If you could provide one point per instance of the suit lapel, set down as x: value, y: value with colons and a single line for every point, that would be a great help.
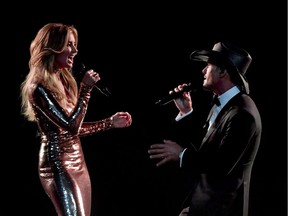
x: 219, y: 119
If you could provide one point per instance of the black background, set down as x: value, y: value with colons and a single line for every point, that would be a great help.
x: 142, y: 51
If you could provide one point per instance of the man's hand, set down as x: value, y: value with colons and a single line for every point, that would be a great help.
x: 165, y: 152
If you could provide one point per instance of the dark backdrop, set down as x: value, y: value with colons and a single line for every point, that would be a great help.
x: 141, y: 52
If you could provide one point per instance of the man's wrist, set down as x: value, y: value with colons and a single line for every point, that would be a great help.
x: 181, y: 116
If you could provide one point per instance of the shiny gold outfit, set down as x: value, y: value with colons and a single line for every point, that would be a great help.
x: 62, y: 168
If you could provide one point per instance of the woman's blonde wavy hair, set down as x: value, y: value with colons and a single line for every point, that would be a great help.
x: 50, y: 40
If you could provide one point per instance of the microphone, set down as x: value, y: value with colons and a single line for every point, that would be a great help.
x: 175, y: 95
x: 100, y: 86
x: 103, y: 89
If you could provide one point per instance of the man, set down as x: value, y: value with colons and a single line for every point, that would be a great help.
x: 221, y: 163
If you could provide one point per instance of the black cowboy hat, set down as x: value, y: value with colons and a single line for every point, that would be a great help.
x: 226, y: 54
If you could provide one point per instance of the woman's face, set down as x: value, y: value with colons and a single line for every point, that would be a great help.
x: 65, y: 58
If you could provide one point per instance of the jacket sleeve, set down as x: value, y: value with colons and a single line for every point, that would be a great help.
x: 44, y: 102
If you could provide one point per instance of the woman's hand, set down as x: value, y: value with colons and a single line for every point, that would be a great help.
x: 121, y: 120
x: 90, y: 78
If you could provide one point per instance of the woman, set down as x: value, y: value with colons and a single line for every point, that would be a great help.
x: 51, y: 98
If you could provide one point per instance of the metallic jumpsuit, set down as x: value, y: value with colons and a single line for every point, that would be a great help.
x: 62, y: 168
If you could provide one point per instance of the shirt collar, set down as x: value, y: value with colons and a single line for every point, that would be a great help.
x: 226, y: 96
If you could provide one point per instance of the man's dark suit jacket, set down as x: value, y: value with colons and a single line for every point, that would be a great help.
x: 221, y: 163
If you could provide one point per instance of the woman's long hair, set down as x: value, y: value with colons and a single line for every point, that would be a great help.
x: 50, y: 40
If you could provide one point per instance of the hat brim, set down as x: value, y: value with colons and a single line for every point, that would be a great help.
x: 200, y: 55
x: 205, y: 55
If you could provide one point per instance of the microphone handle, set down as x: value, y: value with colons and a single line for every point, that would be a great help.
x: 103, y: 89
x: 174, y: 95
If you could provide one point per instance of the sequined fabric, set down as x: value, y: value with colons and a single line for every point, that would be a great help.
x: 62, y: 169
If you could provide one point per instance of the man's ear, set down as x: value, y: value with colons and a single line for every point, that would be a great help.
x: 223, y: 72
